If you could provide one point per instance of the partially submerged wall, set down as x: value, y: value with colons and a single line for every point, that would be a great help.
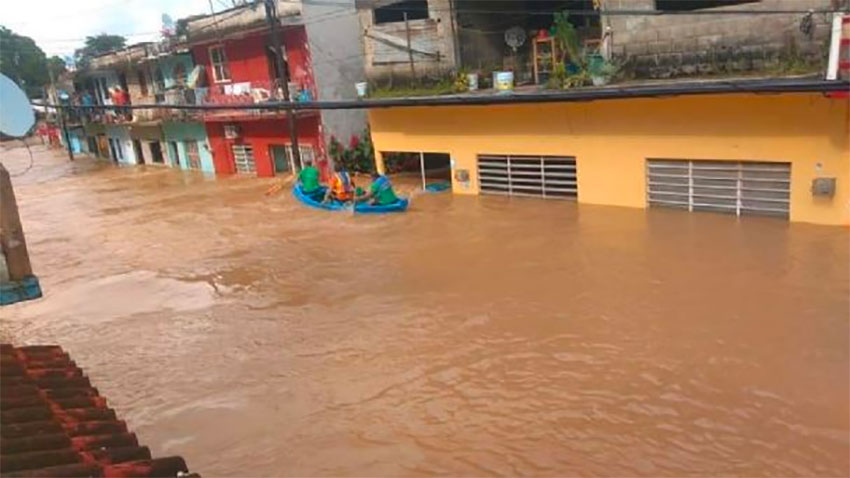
x: 668, y: 45
x: 612, y: 140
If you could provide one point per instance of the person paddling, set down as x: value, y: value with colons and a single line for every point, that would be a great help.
x: 380, y: 192
x: 308, y: 178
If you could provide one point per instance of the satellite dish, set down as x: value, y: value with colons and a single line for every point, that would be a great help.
x: 16, y: 114
x: 515, y: 37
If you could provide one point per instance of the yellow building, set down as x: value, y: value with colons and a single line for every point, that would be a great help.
x: 741, y: 149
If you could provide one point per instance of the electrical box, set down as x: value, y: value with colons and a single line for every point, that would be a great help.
x: 462, y: 175
x: 823, y: 187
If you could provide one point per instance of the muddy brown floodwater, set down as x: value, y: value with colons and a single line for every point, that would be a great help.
x: 470, y: 336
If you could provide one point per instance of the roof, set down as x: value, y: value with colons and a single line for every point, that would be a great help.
x: 240, y: 20
x: 54, y: 423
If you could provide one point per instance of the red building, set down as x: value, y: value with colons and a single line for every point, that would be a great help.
x: 235, y: 61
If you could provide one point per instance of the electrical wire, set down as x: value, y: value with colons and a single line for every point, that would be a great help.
x: 29, y: 166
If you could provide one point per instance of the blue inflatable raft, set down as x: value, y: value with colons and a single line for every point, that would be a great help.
x: 314, y: 199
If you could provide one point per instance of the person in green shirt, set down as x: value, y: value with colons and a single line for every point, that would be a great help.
x: 309, y: 178
x: 380, y: 192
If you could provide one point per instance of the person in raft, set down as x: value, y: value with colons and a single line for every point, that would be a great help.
x: 309, y: 177
x: 380, y: 192
x: 342, y: 187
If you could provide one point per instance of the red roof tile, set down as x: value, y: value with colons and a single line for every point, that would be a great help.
x: 54, y: 423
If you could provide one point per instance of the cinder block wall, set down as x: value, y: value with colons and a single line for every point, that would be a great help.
x: 670, y: 45
x: 436, y: 34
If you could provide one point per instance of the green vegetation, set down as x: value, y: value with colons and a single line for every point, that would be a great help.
x: 23, y: 61
x: 443, y: 86
x: 97, y: 45
x: 358, y: 157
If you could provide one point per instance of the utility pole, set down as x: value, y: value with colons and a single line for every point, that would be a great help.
x: 60, y: 112
x: 409, y: 48
x: 274, y: 25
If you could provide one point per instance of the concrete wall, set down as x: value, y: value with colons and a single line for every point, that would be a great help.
x: 611, y: 140
x: 185, y: 132
x: 336, y: 49
x: 677, y: 45
x: 433, y: 34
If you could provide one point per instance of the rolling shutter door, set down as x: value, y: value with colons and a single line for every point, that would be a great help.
x: 724, y: 186
x: 551, y: 177
x: 243, y: 156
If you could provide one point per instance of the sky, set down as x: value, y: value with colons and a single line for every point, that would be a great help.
x: 60, y: 26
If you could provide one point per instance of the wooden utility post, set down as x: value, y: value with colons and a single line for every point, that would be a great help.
x: 60, y: 113
x: 14, y: 245
x: 409, y: 48
x: 274, y: 25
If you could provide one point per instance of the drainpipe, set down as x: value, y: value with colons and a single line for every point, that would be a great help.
x: 455, y: 39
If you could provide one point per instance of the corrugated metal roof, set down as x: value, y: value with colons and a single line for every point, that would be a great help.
x: 54, y: 423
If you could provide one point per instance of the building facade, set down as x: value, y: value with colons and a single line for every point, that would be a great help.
x: 740, y: 153
x: 237, y: 64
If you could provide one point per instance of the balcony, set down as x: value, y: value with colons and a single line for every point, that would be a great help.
x: 247, y: 93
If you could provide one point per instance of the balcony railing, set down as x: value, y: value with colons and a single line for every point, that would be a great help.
x: 251, y: 92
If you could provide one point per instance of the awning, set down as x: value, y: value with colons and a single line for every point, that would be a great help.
x: 93, y: 129
x: 152, y: 133
x: 371, y: 4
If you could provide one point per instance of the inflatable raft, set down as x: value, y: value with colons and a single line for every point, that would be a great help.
x: 314, y: 199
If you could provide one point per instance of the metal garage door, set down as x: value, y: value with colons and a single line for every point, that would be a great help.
x: 552, y: 177
x: 723, y: 186
x: 243, y: 155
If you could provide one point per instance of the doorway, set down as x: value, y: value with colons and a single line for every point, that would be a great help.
x: 156, y: 152
x: 174, y: 153
x: 430, y: 171
x: 137, y: 149
x: 112, y: 151
x: 193, y: 154
x: 92, y: 146
x: 280, y: 157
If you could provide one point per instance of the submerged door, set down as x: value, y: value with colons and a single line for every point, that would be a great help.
x: 193, y: 154
x: 156, y: 152
x: 174, y: 153
x: 281, y: 159
x: 137, y: 148
x: 112, y: 151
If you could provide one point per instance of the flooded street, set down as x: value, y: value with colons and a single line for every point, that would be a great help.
x: 470, y: 336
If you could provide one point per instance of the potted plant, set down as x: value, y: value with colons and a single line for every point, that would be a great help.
x: 602, y: 72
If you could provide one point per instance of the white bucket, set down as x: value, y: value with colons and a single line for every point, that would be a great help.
x: 362, y: 89
x: 503, y: 80
x: 472, y: 81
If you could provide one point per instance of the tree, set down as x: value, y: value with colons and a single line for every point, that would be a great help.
x: 96, y: 45
x: 23, y: 61
x: 56, y: 65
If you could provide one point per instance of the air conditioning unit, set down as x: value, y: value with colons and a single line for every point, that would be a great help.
x: 231, y: 131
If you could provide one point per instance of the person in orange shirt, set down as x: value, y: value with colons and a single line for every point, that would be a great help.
x: 342, y: 186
